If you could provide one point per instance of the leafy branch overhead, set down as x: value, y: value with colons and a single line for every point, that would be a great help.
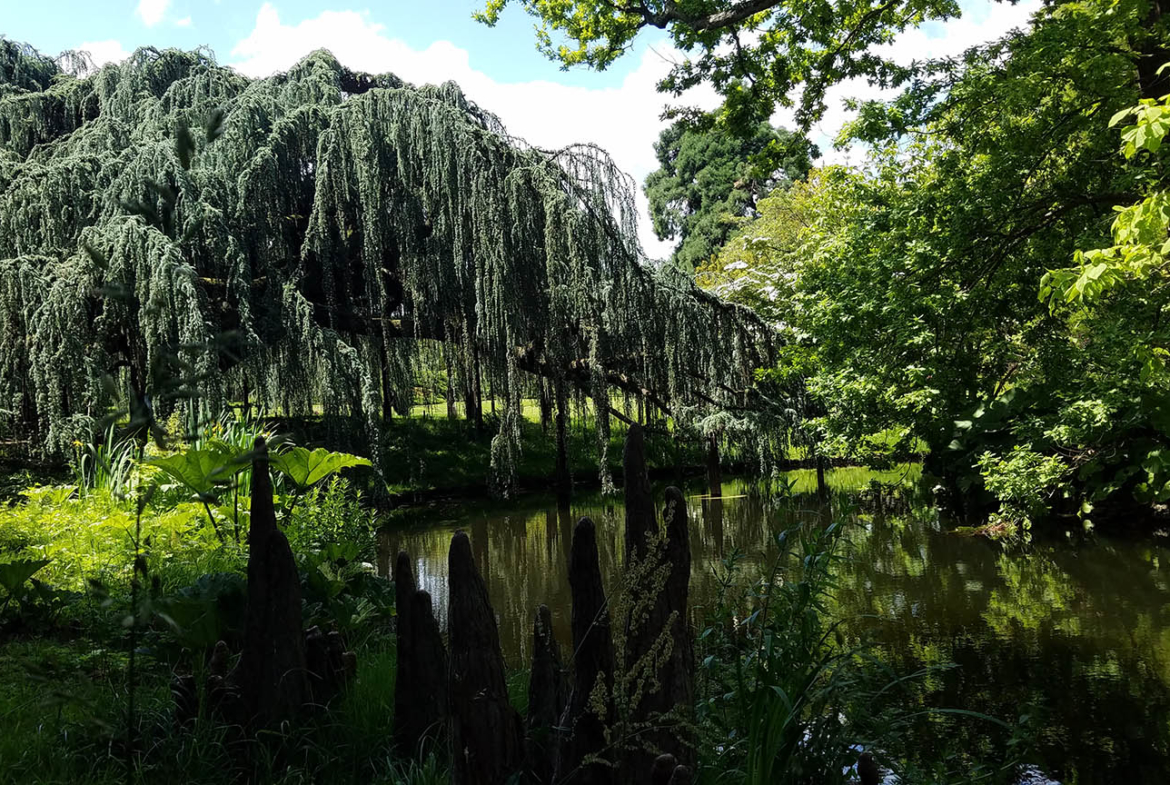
x: 756, y: 53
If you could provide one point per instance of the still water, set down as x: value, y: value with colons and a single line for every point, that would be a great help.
x: 1072, y: 632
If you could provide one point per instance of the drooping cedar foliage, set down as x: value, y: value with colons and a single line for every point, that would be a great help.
x: 338, y: 220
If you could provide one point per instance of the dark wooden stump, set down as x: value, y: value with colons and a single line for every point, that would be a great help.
x: 329, y: 666
x: 546, y: 700
x: 185, y: 694
x: 867, y: 769
x: 592, y: 667
x: 420, y: 693
x: 664, y: 766
x: 405, y: 731
x: 659, y: 649
x: 487, y: 739
x: 677, y: 693
x: 270, y: 675
x: 641, y: 521
x: 428, y: 670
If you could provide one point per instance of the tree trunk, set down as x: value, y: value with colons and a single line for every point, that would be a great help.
x: 387, y: 387
x: 477, y: 396
x: 451, y: 414
x: 546, y: 404
x: 822, y: 486
x: 714, y: 475
x: 564, y: 481
x: 1152, y: 55
x: 641, y: 521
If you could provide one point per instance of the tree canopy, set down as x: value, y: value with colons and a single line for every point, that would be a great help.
x: 916, y: 291
x: 708, y: 180
x: 328, y: 227
x: 755, y: 53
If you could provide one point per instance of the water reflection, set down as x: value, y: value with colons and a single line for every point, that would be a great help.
x: 1074, y: 633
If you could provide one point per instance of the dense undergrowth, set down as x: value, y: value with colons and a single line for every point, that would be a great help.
x: 783, y: 695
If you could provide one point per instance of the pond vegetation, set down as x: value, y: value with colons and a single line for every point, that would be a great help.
x: 266, y: 338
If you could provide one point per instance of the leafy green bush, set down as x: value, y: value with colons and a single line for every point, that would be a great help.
x: 332, y: 514
x: 89, y: 539
x: 1023, y: 481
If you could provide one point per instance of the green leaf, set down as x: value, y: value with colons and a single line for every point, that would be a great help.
x: 201, y: 470
x: 306, y: 468
x: 14, y: 573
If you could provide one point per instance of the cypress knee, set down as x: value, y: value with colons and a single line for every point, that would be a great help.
x: 487, y: 740
x: 678, y: 677
x: 664, y: 766
x: 428, y: 673
x: 271, y: 671
x: 640, y: 518
x: 405, y: 730
x: 546, y: 699
x: 583, y: 723
x: 659, y: 650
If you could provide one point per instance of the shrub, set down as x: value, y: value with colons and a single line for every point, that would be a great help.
x: 1023, y: 482
x: 332, y: 514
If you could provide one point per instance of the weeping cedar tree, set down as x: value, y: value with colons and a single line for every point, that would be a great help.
x: 708, y: 178
x: 340, y: 224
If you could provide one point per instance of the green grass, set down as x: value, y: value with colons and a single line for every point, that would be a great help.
x: 62, y: 707
x: 426, y: 451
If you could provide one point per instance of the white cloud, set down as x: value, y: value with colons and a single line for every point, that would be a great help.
x: 184, y: 22
x: 152, y: 11
x: 102, y: 52
x: 623, y: 120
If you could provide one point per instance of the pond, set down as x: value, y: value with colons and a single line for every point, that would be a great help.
x: 1073, y: 632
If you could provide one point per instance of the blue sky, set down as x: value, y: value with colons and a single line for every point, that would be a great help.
x: 506, y: 52
x: 499, y: 68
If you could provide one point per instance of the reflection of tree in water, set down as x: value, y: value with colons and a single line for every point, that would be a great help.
x: 1075, y: 633
x: 1079, y: 632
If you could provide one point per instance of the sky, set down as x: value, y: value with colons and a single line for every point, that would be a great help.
x: 498, y: 68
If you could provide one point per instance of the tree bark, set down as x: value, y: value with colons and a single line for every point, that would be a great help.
x: 592, y: 665
x: 564, y: 481
x: 546, y: 700
x: 487, y: 740
x: 271, y: 671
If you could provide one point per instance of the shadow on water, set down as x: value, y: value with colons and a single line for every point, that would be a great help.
x: 1074, y: 634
